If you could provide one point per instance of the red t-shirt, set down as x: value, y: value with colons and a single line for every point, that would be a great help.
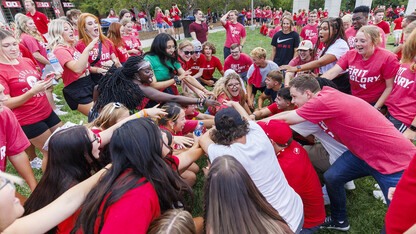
x: 176, y: 15
x: 107, y: 50
x: 33, y: 46
x: 367, y: 78
x: 159, y: 18
x: 301, y: 176
x: 384, y: 25
x: 274, y: 108
x: 13, y: 140
x: 257, y: 13
x: 296, y: 61
x: 402, y: 101
x: 234, y: 33
x: 133, y: 212
x: 310, y: 33
x: 66, y: 54
x: 190, y: 126
x: 400, y: 215
x: 325, y: 14
x: 122, y: 54
x: 191, y: 117
x: 17, y: 80
x: 24, y: 52
x: 248, y: 15
x: 167, y: 21
x: 221, y: 99
x: 132, y: 43
x: 398, y: 23
x: 351, y: 32
x: 367, y: 133
x: 141, y: 14
x: 209, y: 67
x: 41, y: 21
x: 240, y: 65
x: 195, y: 65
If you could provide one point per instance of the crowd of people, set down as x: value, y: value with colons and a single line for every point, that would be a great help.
x: 331, y: 101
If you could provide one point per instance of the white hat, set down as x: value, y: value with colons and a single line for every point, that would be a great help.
x: 197, y: 45
x: 305, y: 45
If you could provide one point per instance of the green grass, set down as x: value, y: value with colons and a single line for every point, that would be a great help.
x: 365, y: 213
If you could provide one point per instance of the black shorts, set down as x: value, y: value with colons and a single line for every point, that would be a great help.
x: 257, y: 19
x: 263, y: 20
x: 38, y: 128
x: 79, y: 92
x: 255, y: 89
x: 177, y: 24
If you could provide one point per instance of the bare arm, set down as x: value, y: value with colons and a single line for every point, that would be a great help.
x: 250, y: 95
x: 333, y: 72
x: 385, y: 94
x: 40, y: 58
x: 273, y: 52
x: 159, y: 85
x: 40, y: 86
x: 80, y: 65
x: 238, y: 108
x: 224, y: 19
x: 324, y: 60
x: 261, y: 100
x: 409, y: 134
x: 262, y: 113
x: 193, y: 35
x: 115, y: 60
x: 243, y: 42
x: 21, y: 163
x: 288, y: 77
x: 398, y: 49
x: 296, y: 53
x: 290, y: 117
x: 188, y: 157
x: 205, y: 140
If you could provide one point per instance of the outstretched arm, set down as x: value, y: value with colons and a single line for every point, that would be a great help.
x: 290, y: 117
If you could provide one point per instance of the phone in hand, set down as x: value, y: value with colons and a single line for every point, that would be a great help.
x: 49, y: 76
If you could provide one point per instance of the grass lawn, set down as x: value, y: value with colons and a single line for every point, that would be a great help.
x: 365, y: 213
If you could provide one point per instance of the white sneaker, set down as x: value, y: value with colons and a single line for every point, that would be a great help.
x: 379, y: 196
x: 377, y: 186
x: 36, y: 163
x: 349, y: 185
x: 59, y: 106
x: 59, y: 112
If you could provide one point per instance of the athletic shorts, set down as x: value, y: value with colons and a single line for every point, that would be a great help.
x: 254, y: 90
x: 38, y: 128
x: 263, y: 20
x: 79, y: 92
x: 159, y: 25
x: 142, y: 21
x: 177, y: 24
x: 397, y: 33
x: 257, y: 19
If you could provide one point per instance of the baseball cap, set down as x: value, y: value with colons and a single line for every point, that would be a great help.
x: 223, y: 115
x: 305, y: 45
x: 197, y: 45
x: 277, y: 130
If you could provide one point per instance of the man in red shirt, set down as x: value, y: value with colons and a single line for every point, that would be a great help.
x: 397, y: 29
x: 375, y: 149
x: 238, y: 61
x: 41, y: 21
x: 310, y: 31
x: 236, y: 33
x: 379, y: 22
x: 175, y: 14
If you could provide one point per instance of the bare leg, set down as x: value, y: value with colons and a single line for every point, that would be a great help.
x: 189, y: 177
x: 31, y: 152
x: 85, y: 108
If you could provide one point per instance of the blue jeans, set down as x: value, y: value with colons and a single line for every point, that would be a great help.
x: 349, y: 167
x: 227, y: 52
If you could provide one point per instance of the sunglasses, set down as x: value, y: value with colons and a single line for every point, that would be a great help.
x: 96, y: 138
x: 4, y: 182
x: 188, y: 52
x: 197, y: 52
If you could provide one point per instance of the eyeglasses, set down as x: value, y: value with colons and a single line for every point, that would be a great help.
x: 96, y: 138
x: 4, y: 182
x: 233, y: 85
x: 235, y: 52
x: 188, y: 52
x: 116, y: 105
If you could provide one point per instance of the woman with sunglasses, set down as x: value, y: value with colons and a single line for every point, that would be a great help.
x: 100, y: 59
x: 185, y: 52
x: 73, y: 154
x: 131, y: 86
x: 163, y: 57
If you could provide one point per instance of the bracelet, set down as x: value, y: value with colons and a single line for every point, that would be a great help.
x: 176, y: 79
x: 144, y: 112
x: 138, y: 116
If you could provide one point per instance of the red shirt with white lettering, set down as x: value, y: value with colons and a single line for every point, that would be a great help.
x: 234, y: 33
x: 310, y: 33
x: 351, y: 32
x: 17, y: 80
x: 13, y: 140
x: 122, y: 54
x: 257, y: 13
x: 366, y: 133
x: 209, y: 67
x: 402, y: 100
x: 367, y: 77
x: 176, y: 15
x: 41, y: 21
x: 33, y: 46
x: 240, y: 65
x: 195, y: 65
x: 107, y: 50
x: 132, y: 43
x: 66, y: 54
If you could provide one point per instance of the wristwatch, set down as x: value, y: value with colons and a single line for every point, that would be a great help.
x: 299, y: 69
x: 177, y: 81
x: 412, y: 128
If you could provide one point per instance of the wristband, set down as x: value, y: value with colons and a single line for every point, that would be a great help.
x: 144, y: 112
x: 138, y: 116
x: 177, y: 81
x: 299, y: 68
x: 412, y: 128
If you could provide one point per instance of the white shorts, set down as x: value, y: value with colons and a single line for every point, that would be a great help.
x: 142, y: 21
x: 397, y: 33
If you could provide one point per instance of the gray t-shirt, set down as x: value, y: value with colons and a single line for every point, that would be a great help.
x: 263, y: 71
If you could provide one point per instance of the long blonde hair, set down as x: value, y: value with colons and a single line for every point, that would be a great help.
x: 55, y: 31
x: 109, y: 115
x: 22, y: 28
x: 221, y: 86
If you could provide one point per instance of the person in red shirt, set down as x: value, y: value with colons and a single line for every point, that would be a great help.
x: 310, y: 31
x: 167, y: 23
x: 283, y: 102
x: 112, y: 14
x: 305, y: 51
x: 407, y: 26
x: 185, y: 52
x: 210, y: 64
x: 375, y: 149
x: 397, y: 29
x: 379, y: 22
x: 142, y: 18
x: 239, y: 62
x: 114, y: 34
x: 299, y: 172
x: 26, y: 94
x: 197, y: 60
x: 133, y: 46
x: 371, y: 69
x: 175, y: 13
x: 89, y: 29
x: 40, y: 19
x: 248, y: 17
x: 257, y: 14
x: 236, y: 33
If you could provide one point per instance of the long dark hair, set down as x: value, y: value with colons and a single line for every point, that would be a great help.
x: 133, y: 158
x: 158, y: 48
x: 118, y: 86
x: 333, y: 24
x: 233, y: 204
x: 70, y: 161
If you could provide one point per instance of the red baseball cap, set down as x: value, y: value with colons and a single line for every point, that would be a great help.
x: 277, y: 130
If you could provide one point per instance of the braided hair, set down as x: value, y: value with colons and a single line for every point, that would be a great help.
x: 158, y: 48
x: 118, y: 86
x: 333, y: 24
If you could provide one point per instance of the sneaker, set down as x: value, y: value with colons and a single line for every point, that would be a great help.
x: 59, y: 106
x: 36, y: 163
x: 377, y: 186
x: 378, y: 194
x: 59, y: 112
x: 349, y: 185
x: 336, y: 225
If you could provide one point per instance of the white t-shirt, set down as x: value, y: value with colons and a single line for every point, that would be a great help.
x: 332, y: 146
x: 259, y: 159
x: 338, y: 49
x: 263, y: 71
